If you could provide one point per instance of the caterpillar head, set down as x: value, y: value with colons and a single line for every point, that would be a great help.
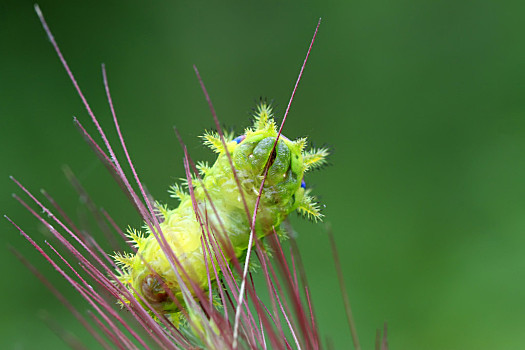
x: 284, y: 187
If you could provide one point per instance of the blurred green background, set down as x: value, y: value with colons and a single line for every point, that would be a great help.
x: 422, y: 103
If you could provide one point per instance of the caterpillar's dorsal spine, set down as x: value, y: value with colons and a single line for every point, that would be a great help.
x: 213, y: 141
x: 315, y: 158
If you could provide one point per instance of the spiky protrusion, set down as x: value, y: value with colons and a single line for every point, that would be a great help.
x: 315, y: 158
x: 263, y: 118
x: 136, y: 237
x: 310, y: 208
x: 176, y: 191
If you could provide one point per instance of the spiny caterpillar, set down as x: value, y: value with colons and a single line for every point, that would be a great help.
x: 217, y: 195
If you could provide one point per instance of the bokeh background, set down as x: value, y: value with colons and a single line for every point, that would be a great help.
x: 422, y: 103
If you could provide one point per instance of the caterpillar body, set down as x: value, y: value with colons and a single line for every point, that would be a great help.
x: 218, y: 199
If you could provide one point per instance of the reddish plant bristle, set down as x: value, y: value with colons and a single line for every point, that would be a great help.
x: 344, y: 293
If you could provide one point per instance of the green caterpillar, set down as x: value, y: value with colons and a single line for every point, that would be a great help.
x: 284, y: 192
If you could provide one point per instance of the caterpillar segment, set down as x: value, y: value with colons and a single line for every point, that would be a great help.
x: 221, y: 209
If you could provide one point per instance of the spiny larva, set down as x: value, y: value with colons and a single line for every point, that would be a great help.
x: 220, y: 198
